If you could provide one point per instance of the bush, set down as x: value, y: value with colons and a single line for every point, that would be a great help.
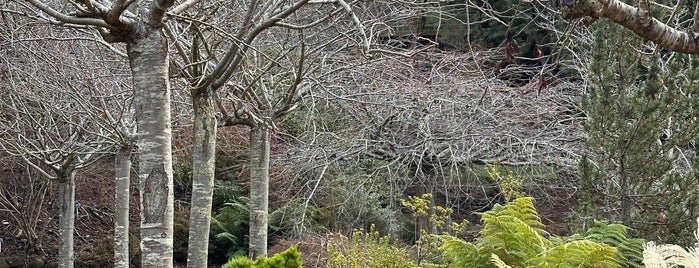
x: 357, y: 198
x: 290, y: 258
x: 229, y: 232
x: 295, y: 218
x: 225, y: 192
x: 366, y: 249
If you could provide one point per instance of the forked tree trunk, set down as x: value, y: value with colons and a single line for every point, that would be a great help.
x: 66, y: 193
x: 259, y: 189
x: 148, y: 58
x: 202, y: 178
x: 121, y: 214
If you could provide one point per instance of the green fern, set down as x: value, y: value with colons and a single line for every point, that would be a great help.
x: 498, y: 262
x: 580, y: 253
x: 630, y: 250
x: 521, y: 208
x: 513, y: 236
x: 459, y: 253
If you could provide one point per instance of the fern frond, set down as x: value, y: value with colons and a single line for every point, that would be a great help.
x: 652, y: 257
x: 512, y: 239
x: 523, y: 209
x: 661, y: 256
x: 630, y: 250
x: 459, y: 253
x: 218, y: 224
x: 227, y: 236
x: 498, y: 262
x: 581, y: 253
x: 666, y: 255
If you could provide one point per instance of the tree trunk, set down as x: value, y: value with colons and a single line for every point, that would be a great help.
x: 66, y: 194
x: 624, y: 192
x: 148, y: 57
x: 204, y: 160
x: 259, y: 189
x: 635, y: 19
x: 121, y: 214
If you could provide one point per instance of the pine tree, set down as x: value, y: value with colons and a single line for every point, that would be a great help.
x: 640, y: 129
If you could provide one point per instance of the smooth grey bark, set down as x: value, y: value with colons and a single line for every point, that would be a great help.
x: 122, y: 195
x: 259, y: 189
x: 148, y: 56
x: 203, y: 167
x: 638, y: 20
x: 147, y: 51
x: 66, y: 222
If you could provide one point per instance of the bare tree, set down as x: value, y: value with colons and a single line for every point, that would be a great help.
x: 259, y: 72
x: 147, y: 52
x: 23, y: 192
x: 83, y: 97
x: 437, y: 116
x: 51, y: 130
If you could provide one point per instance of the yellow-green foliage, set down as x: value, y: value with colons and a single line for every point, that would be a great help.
x: 290, y: 258
x: 419, y: 206
x: 630, y: 250
x: 513, y: 236
x: 366, y: 249
x: 510, y: 185
x: 579, y: 253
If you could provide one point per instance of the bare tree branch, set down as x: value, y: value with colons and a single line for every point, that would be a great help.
x: 118, y: 8
x: 63, y: 18
x: 179, y: 9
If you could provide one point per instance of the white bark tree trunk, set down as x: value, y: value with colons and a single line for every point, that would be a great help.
x: 202, y: 178
x: 148, y: 57
x: 259, y: 189
x: 66, y: 193
x: 638, y: 20
x: 121, y: 214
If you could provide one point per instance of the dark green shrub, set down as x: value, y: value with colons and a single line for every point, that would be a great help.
x: 182, y: 177
x: 230, y: 226
x: 295, y: 217
x: 226, y: 191
x: 229, y: 232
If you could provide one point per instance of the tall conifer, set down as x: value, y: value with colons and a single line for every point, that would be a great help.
x: 640, y: 106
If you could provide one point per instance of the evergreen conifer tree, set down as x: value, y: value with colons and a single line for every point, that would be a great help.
x: 641, y: 106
